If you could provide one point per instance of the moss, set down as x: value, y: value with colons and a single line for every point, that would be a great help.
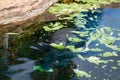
x: 30, y: 36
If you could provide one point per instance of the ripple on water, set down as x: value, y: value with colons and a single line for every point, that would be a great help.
x: 21, y: 71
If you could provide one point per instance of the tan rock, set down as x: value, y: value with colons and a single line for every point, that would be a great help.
x: 19, y: 10
x: 15, y: 14
x: 112, y: 5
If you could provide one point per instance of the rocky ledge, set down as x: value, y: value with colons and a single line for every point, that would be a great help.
x: 18, y: 10
x: 17, y: 13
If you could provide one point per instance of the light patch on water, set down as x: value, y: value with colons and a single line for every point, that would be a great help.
x: 104, y: 79
x: 75, y: 39
x: 58, y: 46
x: 114, y: 67
x: 96, y: 49
x: 111, y: 60
x: 109, y: 54
x: 104, y: 66
x: 118, y: 34
x: 96, y: 60
x: 96, y: 44
x: 80, y: 73
x: 118, y: 62
x: 81, y: 57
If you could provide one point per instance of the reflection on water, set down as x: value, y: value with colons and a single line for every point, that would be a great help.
x: 109, y: 70
x: 111, y: 17
x: 109, y: 66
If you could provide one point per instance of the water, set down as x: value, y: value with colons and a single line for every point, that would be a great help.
x: 21, y: 71
x: 111, y: 70
x: 105, y: 71
x: 111, y: 17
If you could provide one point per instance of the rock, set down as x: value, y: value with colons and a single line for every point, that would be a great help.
x: 19, y: 10
x: 14, y: 14
x: 112, y: 5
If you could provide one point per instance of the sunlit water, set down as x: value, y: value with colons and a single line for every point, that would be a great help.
x: 110, y: 17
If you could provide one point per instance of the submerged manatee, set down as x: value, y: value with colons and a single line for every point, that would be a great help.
x: 62, y: 35
x: 57, y: 37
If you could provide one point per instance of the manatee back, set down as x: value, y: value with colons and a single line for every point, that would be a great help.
x: 61, y: 35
